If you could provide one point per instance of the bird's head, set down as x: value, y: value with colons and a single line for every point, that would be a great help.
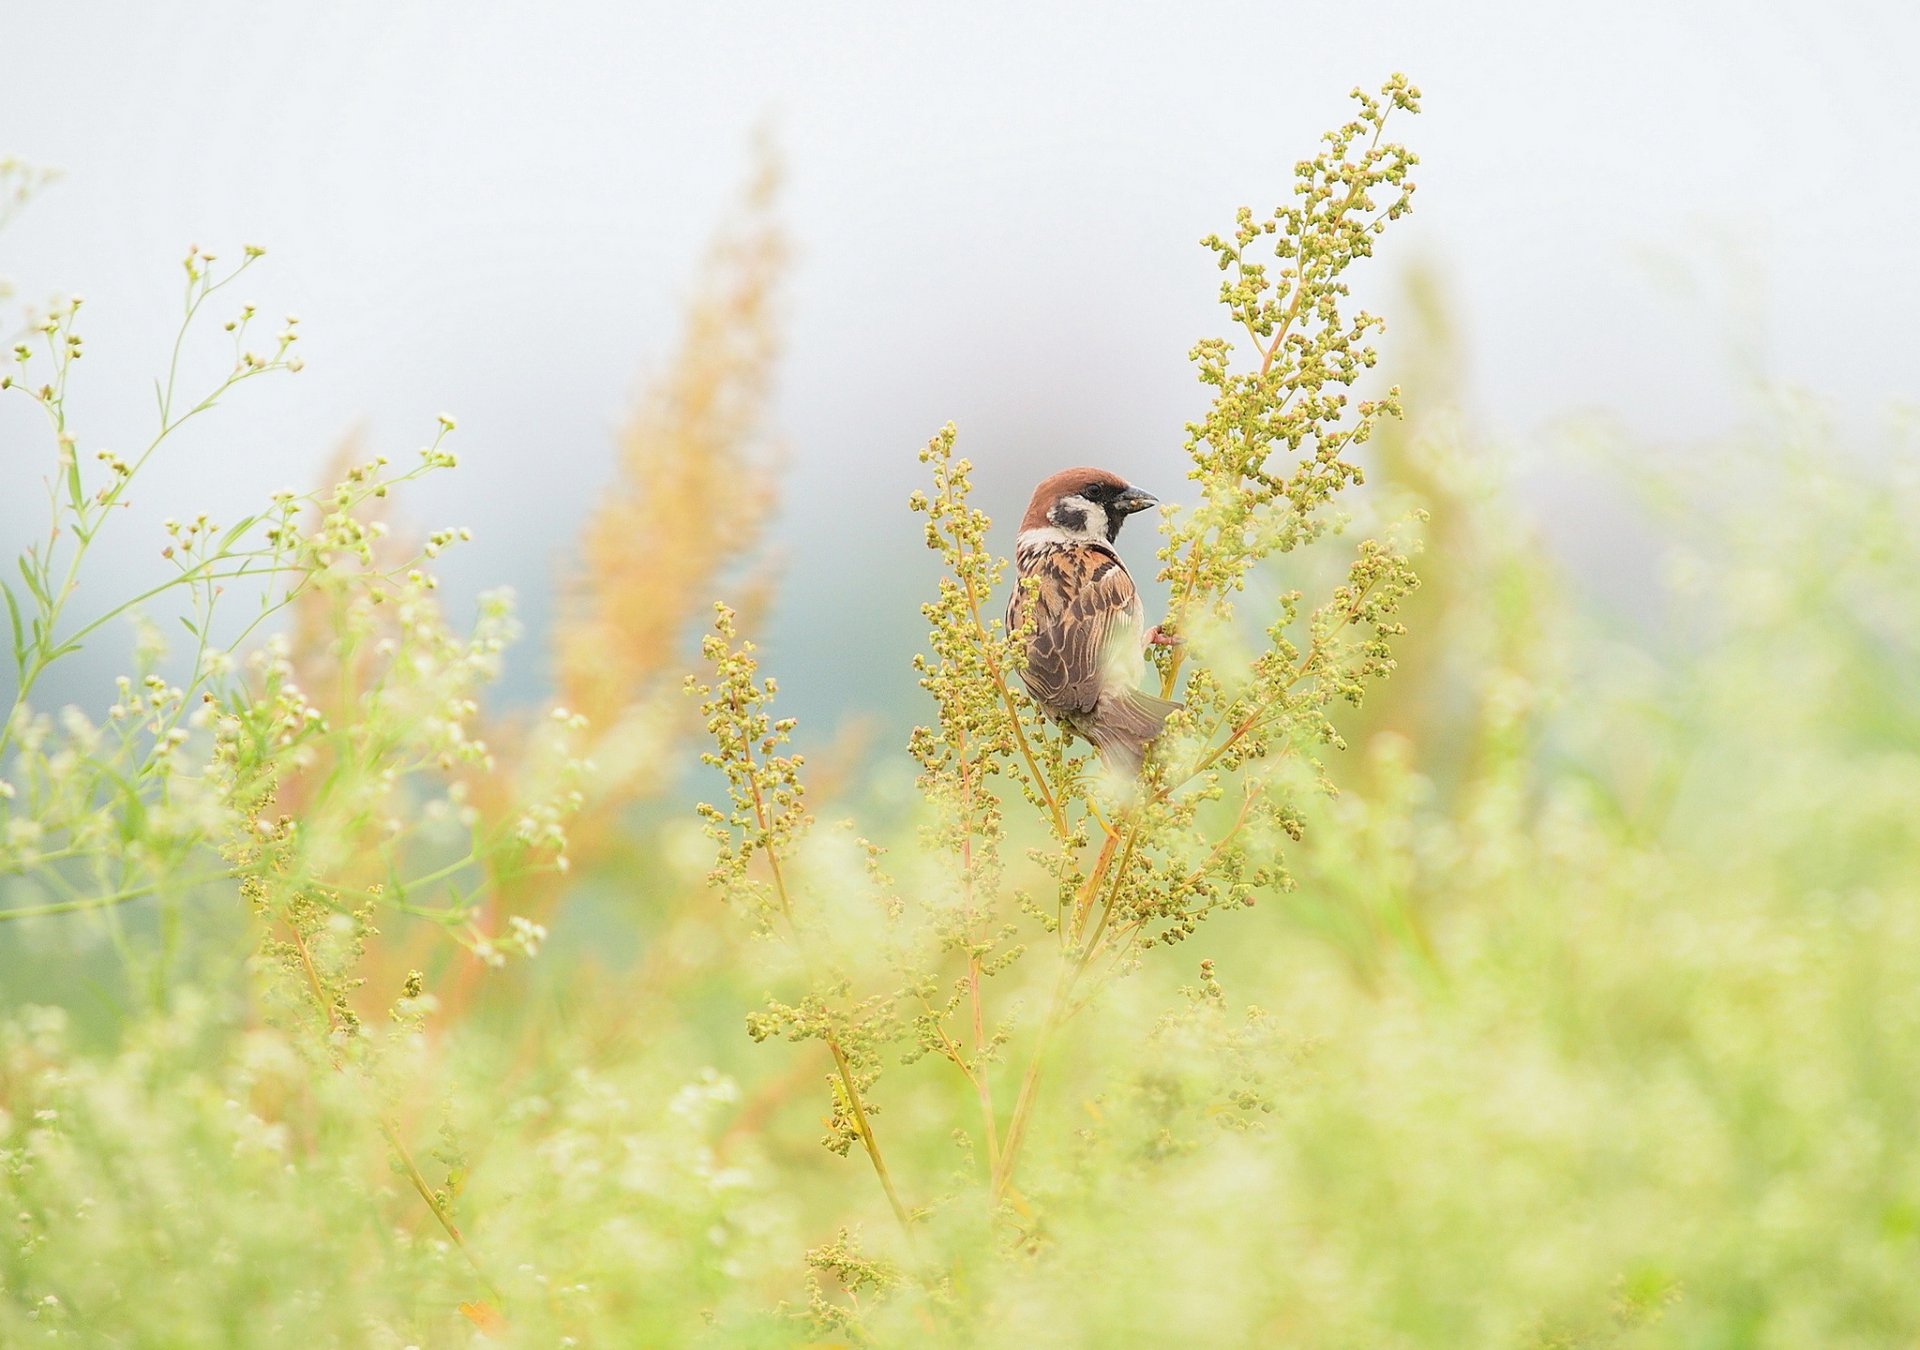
x: 1083, y: 504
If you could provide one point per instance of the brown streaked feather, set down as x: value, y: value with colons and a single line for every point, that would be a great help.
x: 1084, y: 623
x: 1088, y: 626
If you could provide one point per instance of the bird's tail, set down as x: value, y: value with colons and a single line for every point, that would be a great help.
x: 1123, y: 726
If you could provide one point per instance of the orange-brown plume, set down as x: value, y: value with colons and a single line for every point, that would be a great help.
x: 696, y: 480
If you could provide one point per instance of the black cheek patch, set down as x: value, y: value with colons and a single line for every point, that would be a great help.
x: 1069, y: 518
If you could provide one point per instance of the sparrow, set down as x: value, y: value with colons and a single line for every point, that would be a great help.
x: 1085, y: 655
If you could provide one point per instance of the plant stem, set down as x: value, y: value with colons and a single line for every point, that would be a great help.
x: 1023, y: 1104
x: 1071, y: 969
x: 94, y: 901
x: 1054, y: 809
x: 387, y: 1127
x: 981, y: 1086
x: 1105, y: 866
x: 848, y: 1082
x: 866, y: 1136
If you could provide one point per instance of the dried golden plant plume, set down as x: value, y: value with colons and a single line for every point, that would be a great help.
x: 697, y: 478
x: 696, y: 482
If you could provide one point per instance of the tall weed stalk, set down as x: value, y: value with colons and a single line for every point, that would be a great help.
x: 1032, y: 877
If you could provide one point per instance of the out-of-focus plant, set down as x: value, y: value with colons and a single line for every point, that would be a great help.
x: 181, y: 782
x: 221, y: 781
x: 696, y: 481
x: 696, y: 485
x: 1107, y: 876
x: 317, y: 763
x: 206, y: 1186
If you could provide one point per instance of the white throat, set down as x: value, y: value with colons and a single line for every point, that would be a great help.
x: 1029, y: 542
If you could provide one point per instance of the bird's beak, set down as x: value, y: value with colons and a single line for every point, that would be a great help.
x: 1133, y: 499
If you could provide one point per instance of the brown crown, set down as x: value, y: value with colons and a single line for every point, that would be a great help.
x: 1063, y: 484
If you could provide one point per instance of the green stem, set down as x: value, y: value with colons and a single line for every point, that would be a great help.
x: 100, y: 901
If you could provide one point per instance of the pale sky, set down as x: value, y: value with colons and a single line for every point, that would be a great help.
x: 495, y: 211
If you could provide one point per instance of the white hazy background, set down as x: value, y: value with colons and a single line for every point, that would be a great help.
x: 497, y: 211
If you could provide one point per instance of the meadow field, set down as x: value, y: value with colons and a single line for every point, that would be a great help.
x: 1478, y: 963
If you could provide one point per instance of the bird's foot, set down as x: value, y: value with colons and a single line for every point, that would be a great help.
x: 1158, y: 637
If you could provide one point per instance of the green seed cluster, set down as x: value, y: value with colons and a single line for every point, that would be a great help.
x: 1023, y: 845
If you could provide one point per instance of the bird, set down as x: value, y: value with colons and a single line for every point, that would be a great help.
x: 1085, y: 653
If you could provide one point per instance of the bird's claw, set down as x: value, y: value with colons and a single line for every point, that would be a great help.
x: 1160, y: 638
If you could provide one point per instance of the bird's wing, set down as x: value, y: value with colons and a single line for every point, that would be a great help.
x: 1087, y: 635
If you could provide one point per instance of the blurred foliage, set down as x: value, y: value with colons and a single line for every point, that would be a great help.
x: 1588, y: 1020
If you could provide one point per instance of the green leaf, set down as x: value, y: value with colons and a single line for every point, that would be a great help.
x: 133, y: 817
x: 76, y: 494
x: 227, y: 539
x: 33, y: 583
x: 19, y: 630
x: 187, y: 624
